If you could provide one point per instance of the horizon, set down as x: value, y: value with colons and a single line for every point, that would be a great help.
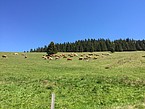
x: 29, y: 24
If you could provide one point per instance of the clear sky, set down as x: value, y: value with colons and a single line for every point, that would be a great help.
x: 26, y: 24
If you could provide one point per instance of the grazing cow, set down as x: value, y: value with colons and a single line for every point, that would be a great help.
x: 90, y: 54
x: 45, y: 57
x: 4, y: 56
x: 56, y: 58
x: 96, y: 54
x: 50, y: 58
x: 95, y: 58
x: 81, y: 58
x: 64, y: 56
x: 69, y: 59
x: 86, y: 58
x: 15, y: 53
x: 75, y: 54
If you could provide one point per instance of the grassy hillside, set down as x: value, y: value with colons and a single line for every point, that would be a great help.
x: 110, y: 81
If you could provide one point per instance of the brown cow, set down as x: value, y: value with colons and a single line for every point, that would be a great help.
x: 69, y: 59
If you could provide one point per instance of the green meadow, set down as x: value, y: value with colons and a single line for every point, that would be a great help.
x: 114, y: 81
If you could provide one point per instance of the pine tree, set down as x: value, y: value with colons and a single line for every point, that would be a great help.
x: 138, y: 47
x: 51, y: 49
x: 112, y: 47
x: 118, y: 47
x: 31, y: 50
x: 108, y: 45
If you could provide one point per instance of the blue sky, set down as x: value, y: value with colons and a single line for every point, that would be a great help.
x: 26, y: 24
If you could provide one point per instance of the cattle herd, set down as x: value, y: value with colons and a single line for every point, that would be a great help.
x: 67, y: 56
x: 70, y: 56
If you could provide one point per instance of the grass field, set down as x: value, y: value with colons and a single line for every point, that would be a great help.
x: 110, y: 81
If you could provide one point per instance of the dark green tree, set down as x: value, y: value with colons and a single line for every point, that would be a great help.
x: 118, y: 47
x: 108, y: 45
x: 51, y: 49
x: 112, y: 47
x: 45, y: 49
x: 92, y: 45
x: 31, y: 50
x: 138, y: 47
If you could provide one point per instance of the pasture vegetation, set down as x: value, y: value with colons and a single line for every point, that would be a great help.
x: 110, y: 81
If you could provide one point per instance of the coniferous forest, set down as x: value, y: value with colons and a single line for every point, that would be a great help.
x: 93, y: 45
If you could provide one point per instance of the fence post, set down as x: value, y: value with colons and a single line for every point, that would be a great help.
x: 52, y: 101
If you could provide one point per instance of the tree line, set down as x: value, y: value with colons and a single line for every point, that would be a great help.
x: 96, y: 45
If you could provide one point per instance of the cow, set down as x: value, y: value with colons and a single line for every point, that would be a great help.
x: 69, y: 59
x: 81, y: 58
x: 57, y: 58
x: 15, y: 53
x: 4, y: 56
x: 95, y: 58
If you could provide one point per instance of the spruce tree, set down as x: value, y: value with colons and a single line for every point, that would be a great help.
x: 118, y: 47
x: 51, y: 49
